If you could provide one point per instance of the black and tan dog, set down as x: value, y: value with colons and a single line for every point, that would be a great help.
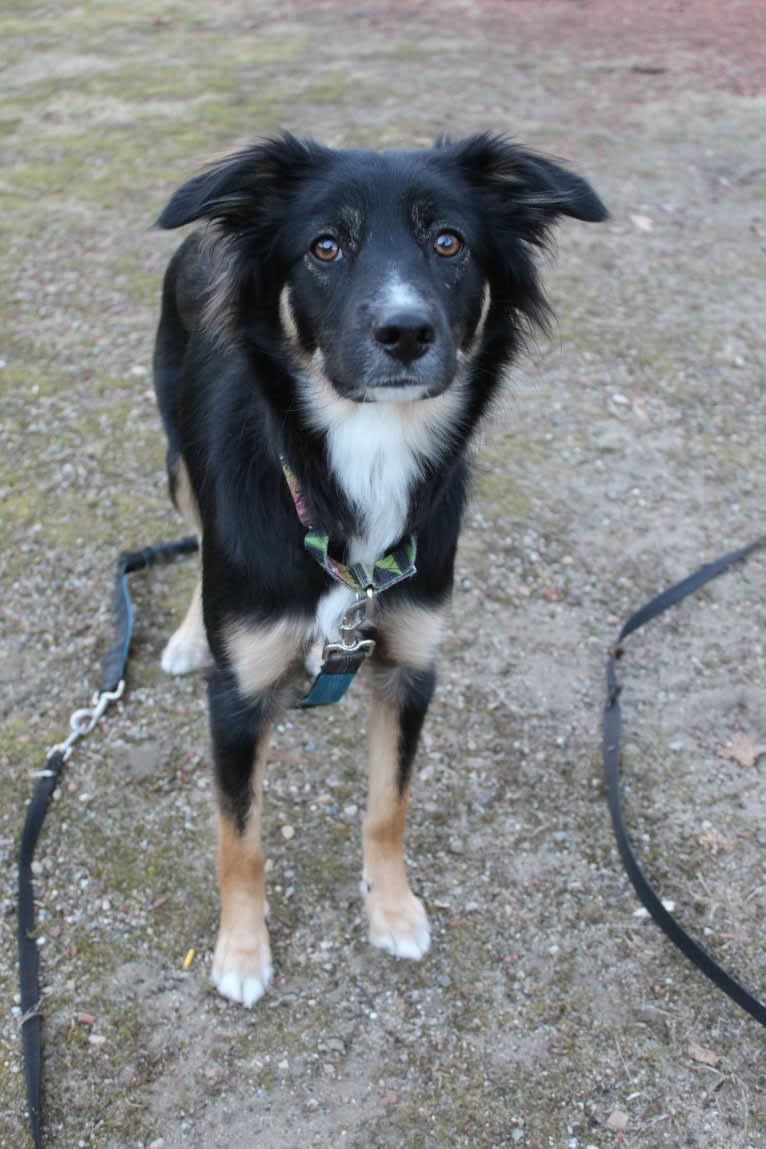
x: 328, y: 344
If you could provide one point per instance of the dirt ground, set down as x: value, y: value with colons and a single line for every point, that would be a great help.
x: 629, y: 448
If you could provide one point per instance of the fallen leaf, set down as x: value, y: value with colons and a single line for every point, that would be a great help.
x: 742, y: 749
x: 617, y: 1120
x: 639, y: 407
x: 702, y: 1055
x: 713, y: 841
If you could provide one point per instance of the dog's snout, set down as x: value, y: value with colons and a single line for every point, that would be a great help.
x: 405, y: 335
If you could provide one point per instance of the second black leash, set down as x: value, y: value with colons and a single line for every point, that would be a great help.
x: 612, y: 734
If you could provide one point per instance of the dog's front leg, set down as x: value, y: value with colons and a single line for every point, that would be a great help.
x: 397, y: 919
x: 240, y: 731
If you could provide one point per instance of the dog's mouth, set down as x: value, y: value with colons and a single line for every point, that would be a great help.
x: 390, y: 389
x: 395, y: 391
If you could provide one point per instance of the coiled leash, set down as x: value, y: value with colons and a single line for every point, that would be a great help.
x: 612, y: 728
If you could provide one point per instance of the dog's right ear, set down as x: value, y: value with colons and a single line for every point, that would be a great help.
x: 243, y: 187
x: 530, y: 190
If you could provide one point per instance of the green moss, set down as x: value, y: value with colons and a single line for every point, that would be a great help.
x: 329, y: 88
x: 411, y: 52
x: 499, y: 494
x: 27, y: 374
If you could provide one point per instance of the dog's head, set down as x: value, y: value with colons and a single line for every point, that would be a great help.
x: 384, y: 272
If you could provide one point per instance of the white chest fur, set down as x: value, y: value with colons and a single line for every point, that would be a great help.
x: 376, y: 465
x: 376, y: 451
x: 375, y: 462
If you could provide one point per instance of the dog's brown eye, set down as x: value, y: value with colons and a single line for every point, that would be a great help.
x: 448, y: 244
x: 326, y: 249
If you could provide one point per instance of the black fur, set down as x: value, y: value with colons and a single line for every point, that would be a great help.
x: 417, y: 691
x: 237, y: 729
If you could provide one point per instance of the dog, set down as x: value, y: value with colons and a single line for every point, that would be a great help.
x: 329, y: 341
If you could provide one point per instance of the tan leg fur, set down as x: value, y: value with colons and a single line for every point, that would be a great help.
x: 397, y: 919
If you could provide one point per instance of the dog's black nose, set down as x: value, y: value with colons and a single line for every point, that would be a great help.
x: 405, y: 335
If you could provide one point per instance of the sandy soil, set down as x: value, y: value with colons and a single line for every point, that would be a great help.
x: 628, y: 448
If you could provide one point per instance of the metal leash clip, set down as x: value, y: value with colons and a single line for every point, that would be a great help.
x: 84, y: 720
x: 355, y: 617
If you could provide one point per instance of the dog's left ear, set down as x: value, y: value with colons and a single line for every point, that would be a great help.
x: 534, y: 189
x: 243, y: 188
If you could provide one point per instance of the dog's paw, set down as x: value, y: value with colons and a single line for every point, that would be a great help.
x: 183, y: 654
x: 242, y: 972
x: 400, y: 927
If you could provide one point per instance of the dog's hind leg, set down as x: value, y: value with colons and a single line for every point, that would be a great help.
x: 397, y: 919
x: 187, y: 648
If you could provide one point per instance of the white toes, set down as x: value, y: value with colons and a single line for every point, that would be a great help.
x: 242, y: 987
x: 182, y: 655
x: 242, y: 965
x: 400, y: 946
x: 400, y: 928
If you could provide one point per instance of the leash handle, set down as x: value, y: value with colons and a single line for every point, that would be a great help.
x: 611, y: 749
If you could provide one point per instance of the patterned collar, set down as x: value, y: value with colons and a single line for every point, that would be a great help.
x: 394, y: 567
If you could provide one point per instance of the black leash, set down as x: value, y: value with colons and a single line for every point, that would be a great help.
x: 81, y: 724
x: 611, y: 752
